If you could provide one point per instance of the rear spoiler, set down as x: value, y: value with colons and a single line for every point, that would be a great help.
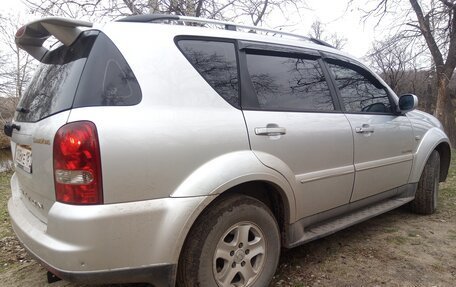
x: 32, y: 36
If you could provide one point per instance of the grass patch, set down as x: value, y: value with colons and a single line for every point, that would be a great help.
x: 452, y: 234
x: 390, y: 229
x: 398, y: 240
x: 438, y: 268
x: 447, y: 192
x: 6, y: 233
x: 5, y: 193
x: 4, y: 140
x: 448, y: 188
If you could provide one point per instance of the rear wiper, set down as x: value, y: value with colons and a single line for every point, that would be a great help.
x: 22, y: 110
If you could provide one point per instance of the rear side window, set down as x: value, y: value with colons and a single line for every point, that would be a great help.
x: 360, y: 92
x: 289, y: 83
x: 216, y: 62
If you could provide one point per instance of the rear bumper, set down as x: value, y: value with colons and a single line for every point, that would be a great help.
x: 159, y: 275
x: 114, y: 243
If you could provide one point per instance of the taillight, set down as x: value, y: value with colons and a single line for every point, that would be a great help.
x: 77, y: 165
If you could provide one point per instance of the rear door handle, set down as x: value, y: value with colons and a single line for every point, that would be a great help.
x: 276, y: 131
x: 364, y: 129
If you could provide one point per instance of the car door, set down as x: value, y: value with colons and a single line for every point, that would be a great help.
x: 383, y: 139
x: 295, y: 126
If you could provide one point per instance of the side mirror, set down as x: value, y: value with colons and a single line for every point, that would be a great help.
x: 407, y: 103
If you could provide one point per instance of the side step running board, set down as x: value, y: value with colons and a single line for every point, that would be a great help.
x: 333, y: 225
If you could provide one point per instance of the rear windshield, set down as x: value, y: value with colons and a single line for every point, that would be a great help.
x: 91, y: 72
x: 55, y: 82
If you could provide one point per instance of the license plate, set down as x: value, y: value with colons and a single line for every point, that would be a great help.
x: 24, y: 158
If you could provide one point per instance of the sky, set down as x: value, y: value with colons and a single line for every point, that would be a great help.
x: 335, y: 15
x: 345, y: 22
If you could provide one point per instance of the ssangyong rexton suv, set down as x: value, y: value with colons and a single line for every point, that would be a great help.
x: 154, y: 149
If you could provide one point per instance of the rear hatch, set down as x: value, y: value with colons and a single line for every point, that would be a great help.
x: 86, y: 70
x: 42, y: 110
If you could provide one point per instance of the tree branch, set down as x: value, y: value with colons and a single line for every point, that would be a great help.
x: 131, y: 6
x: 427, y: 34
x: 260, y: 16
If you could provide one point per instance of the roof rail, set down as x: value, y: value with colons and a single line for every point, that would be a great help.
x: 227, y: 25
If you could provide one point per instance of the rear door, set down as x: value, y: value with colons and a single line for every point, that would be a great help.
x: 296, y: 127
x: 42, y: 110
x: 90, y: 72
x: 383, y: 140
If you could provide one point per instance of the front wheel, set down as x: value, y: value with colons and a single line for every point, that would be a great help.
x: 425, y: 201
x: 236, y: 242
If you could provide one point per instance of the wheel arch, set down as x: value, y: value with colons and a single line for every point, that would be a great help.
x: 237, y: 173
x: 434, y: 139
x: 233, y: 172
x: 445, y: 159
x: 269, y: 193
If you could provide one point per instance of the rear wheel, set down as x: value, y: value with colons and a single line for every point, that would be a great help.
x: 425, y: 201
x: 234, y: 243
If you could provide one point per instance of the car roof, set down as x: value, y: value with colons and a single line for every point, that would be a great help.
x: 229, y: 30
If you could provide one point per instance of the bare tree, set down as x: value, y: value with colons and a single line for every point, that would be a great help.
x: 6, y: 80
x: 17, y: 64
x: 392, y: 58
x: 399, y: 61
x: 318, y: 32
x: 255, y: 10
x: 15, y: 71
x: 435, y: 22
x: 119, y: 8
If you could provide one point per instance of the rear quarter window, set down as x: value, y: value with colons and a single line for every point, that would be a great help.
x: 107, y: 80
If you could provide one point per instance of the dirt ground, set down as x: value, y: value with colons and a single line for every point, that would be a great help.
x: 395, y: 249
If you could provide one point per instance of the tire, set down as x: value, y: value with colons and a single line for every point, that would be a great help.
x: 425, y: 201
x: 236, y: 242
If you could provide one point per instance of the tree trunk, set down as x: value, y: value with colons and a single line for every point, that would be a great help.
x: 444, y: 110
x: 428, y: 99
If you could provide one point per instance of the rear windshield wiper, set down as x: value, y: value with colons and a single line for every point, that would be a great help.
x: 22, y: 110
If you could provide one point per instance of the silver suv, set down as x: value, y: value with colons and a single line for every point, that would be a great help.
x: 155, y: 149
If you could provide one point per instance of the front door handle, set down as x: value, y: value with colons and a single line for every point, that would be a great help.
x: 273, y: 131
x: 364, y: 129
